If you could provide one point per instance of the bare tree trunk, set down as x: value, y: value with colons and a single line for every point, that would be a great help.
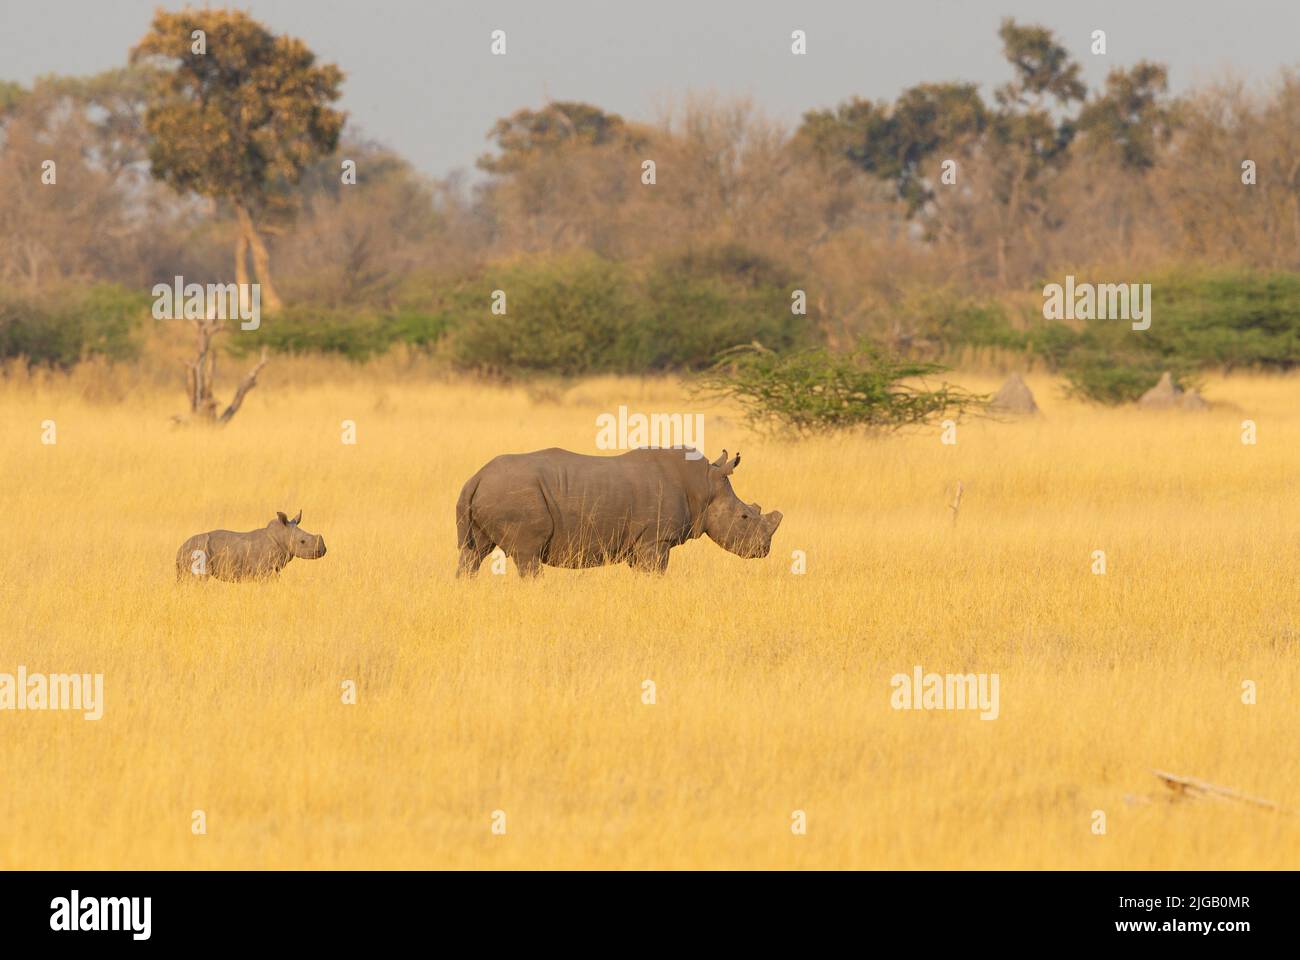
x: 202, y: 370
x: 1295, y: 211
x: 201, y: 374
x: 1008, y: 225
x: 241, y: 268
x: 261, y: 258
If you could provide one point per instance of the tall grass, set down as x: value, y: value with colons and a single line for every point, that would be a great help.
x: 772, y: 688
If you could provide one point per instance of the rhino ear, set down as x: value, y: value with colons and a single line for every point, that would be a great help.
x: 720, y: 461
x: 727, y: 469
x: 298, y: 518
x: 283, y: 518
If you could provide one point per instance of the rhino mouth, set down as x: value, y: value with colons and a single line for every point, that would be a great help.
x: 770, y: 522
x: 759, y: 544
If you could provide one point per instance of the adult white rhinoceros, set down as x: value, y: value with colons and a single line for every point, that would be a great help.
x: 569, y: 510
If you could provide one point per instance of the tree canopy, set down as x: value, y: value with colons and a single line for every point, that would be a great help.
x: 236, y: 113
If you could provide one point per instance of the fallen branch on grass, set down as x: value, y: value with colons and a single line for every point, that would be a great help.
x: 1200, y: 789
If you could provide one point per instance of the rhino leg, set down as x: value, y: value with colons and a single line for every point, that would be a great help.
x: 472, y: 555
x: 649, y: 558
x: 193, y: 551
x: 526, y: 543
x: 529, y: 565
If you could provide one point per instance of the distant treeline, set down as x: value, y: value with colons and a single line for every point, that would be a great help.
x: 582, y: 314
x: 922, y: 225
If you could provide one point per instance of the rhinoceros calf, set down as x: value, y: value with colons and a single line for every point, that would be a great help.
x: 569, y: 510
x: 232, y: 556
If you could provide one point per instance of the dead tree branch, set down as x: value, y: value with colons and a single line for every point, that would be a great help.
x: 201, y: 375
x: 248, y: 383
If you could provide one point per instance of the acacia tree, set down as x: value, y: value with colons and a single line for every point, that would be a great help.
x: 1133, y: 117
x: 895, y: 142
x: 236, y: 114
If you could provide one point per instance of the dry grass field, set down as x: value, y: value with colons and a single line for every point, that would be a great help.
x: 772, y: 688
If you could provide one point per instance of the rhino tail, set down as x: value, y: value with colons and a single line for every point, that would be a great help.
x: 473, y: 541
x: 465, y: 513
x: 185, y: 557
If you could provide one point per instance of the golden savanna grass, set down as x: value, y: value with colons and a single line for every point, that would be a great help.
x: 773, y: 689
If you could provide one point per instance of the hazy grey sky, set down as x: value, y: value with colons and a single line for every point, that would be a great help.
x: 421, y: 79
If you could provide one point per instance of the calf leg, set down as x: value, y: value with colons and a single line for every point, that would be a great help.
x: 193, y: 553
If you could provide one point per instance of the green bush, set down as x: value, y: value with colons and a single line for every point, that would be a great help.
x: 1106, y: 378
x: 964, y: 322
x: 354, y: 332
x: 565, y: 316
x: 419, y: 328
x: 61, y: 329
x: 697, y: 307
x: 817, y: 391
x: 1227, y: 319
x: 1054, y: 342
x: 582, y: 314
x: 1198, y: 322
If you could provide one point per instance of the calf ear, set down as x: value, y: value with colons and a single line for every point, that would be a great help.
x: 297, y: 519
x: 283, y: 518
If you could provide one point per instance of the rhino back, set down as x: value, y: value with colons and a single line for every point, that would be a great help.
x: 238, y: 555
